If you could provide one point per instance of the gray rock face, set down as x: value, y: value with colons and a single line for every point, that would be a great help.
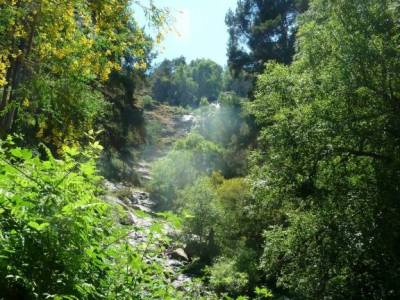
x: 140, y: 200
x: 134, y: 199
x: 111, y: 186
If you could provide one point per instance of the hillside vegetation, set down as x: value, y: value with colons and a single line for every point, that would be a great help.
x: 275, y: 177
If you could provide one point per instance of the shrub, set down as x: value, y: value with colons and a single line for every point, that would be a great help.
x: 58, y: 239
x: 153, y: 132
x: 148, y: 101
x: 190, y: 158
x: 224, y: 277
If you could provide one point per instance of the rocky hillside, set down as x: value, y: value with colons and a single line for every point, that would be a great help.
x: 164, y: 125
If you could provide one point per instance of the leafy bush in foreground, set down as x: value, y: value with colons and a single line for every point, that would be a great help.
x: 57, y: 239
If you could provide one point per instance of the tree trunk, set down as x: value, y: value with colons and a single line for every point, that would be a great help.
x: 18, y: 74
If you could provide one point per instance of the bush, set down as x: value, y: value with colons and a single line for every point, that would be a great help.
x: 207, y: 156
x: 148, y: 101
x: 190, y: 158
x: 198, y: 202
x: 224, y: 278
x: 62, y: 112
x: 59, y: 241
x: 153, y: 132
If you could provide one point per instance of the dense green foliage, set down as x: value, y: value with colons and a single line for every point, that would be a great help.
x: 218, y: 143
x: 218, y: 219
x: 190, y: 158
x: 230, y: 127
x: 262, y: 30
x: 173, y: 83
x: 304, y: 204
x: 56, y: 58
x: 317, y: 217
x: 122, y: 125
x: 178, y: 83
x: 58, y: 240
x: 327, y: 175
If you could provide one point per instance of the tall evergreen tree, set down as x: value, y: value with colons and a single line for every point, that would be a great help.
x: 262, y: 30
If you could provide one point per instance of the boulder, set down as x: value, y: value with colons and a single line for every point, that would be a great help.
x: 179, y: 254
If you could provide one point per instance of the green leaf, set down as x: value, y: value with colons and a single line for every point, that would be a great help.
x: 136, y: 263
x: 72, y: 151
x: 96, y: 145
x: 263, y: 292
x: 25, y: 154
x: 37, y: 226
x: 141, y: 214
x: 157, y: 228
x: 171, y: 218
x: 88, y: 169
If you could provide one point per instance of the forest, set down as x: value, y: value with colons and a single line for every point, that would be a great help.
x: 126, y: 176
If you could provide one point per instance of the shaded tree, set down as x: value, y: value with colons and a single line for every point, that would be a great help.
x: 208, y: 76
x: 178, y: 83
x: 326, y: 179
x: 54, y: 59
x: 162, y: 86
x: 262, y: 30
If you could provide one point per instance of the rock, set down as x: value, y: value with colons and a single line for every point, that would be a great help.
x: 179, y: 254
x: 133, y: 200
x: 141, y: 221
x: 188, y: 118
x: 128, y: 219
x: 142, y: 208
x: 146, y: 178
x: 139, y: 197
x: 112, y: 187
x: 141, y: 201
x: 143, y: 170
x: 174, y: 263
x: 181, y: 281
x: 113, y: 200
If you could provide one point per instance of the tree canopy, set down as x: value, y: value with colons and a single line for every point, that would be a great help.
x: 260, y: 31
x: 326, y: 175
x: 54, y: 56
x: 176, y: 82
